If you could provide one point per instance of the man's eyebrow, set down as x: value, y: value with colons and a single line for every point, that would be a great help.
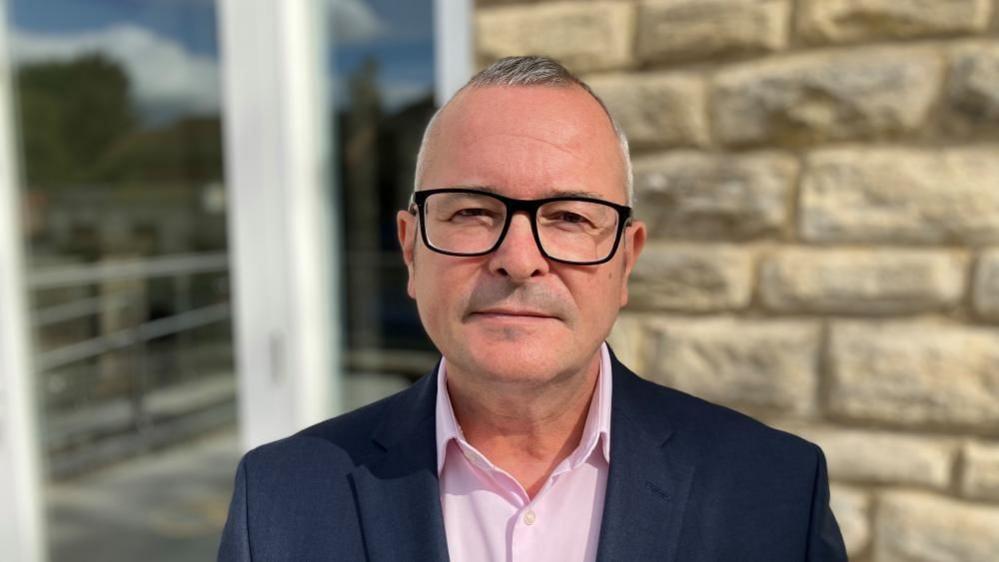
x: 546, y: 195
x: 575, y: 193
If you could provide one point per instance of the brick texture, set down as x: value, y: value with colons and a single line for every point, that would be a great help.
x: 815, y: 97
x: 917, y: 527
x: 656, y: 110
x: 741, y: 363
x: 915, y: 374
x: 852, y: 508
x: 864, y: 456
x: 676, y: 30
x: 585, y: 36
x: 924, y: 196
x: 692, y: 195
x: 692, y: 278
x: 972, y: 93
x: 879, y: 281
x: 980, y: 478
x: 986, y: 289
x: 837, y: 21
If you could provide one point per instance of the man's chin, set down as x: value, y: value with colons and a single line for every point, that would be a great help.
x: 516, y: 357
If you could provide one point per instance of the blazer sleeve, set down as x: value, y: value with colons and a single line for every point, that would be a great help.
x: 235, y: 545
x: 825, y: 542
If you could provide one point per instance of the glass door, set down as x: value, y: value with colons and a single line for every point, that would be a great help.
x: 389, y: 61
x: 123, y: 201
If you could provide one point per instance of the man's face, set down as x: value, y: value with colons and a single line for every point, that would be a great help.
x: 514, y: 315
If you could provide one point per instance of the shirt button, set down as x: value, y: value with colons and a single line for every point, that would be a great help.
x: 530, y: 518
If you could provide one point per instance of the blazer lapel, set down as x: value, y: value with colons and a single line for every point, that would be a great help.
x: 648, y: 483
x: 397, y: 493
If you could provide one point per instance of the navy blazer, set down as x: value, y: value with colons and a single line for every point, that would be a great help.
x: 689, y: 481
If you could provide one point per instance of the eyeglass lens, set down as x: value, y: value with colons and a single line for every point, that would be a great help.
x: 569, y: 230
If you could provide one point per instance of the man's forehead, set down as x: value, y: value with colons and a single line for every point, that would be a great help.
x: 524, y: 141
x: 558, y: 115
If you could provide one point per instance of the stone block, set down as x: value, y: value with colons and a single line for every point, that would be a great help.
x: 693, y: 278
x: 872, y: 195
x: 985, y: 294
x: 980, y: 475
x: 839, y: 21
x: 920, y: 527
x: 675, y: 30
x: 657, y: 109
x: 852, y: 509
x: 919, y: 373
x: 864, y: 93
x: 584, y: 36
x: 692, y: 195
x: 853, y: 281
x: 972, y: 97
x: 758, y: 366
x: 880, y: 457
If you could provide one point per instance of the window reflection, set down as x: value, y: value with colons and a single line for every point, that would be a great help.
x: 120, y: 134
x: 383, y: 80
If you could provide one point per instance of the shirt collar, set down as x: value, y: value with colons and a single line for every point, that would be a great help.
x: 596, y: 430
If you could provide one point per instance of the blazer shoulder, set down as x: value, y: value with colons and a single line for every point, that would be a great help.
x: 720, y: 430
x: 344, y: 439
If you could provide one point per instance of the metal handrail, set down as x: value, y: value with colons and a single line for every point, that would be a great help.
x: 81, y: 308
x: 89, y: 274
x: 124, y: 338
x: 76, y: 275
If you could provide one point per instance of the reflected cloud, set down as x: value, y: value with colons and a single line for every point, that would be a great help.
x: 355, y: 22
x: 166, y: 79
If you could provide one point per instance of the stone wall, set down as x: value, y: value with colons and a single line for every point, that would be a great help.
x: 821, y: 183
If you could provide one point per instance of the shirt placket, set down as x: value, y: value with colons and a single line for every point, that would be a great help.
x: 527, y: 531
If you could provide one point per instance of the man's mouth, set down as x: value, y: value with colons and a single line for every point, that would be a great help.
x: 513, y: 313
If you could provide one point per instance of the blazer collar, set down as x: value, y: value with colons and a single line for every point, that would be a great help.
x: 397, y: 493
x: 648, y: 483
x: 649, y: 479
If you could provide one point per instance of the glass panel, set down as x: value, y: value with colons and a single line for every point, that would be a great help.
x: 118, y: 110
x: 382, y: 68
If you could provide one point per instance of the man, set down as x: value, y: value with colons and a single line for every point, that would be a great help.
x: 529, y: 441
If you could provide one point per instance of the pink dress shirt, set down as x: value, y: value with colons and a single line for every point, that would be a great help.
x: 488, y: 514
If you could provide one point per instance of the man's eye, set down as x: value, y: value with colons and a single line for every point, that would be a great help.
x: 570, y: 217
x: 472, y: 212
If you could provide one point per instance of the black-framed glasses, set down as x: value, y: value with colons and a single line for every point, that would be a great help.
x: 567, y: 229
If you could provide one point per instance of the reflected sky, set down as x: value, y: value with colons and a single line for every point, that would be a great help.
x: 171, y: 52
x: 188, y: 22
x: 398, y: 34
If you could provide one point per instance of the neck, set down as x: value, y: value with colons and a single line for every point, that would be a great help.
x: 525, y: 429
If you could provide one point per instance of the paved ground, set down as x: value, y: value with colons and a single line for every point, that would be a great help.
x: 164, y: 506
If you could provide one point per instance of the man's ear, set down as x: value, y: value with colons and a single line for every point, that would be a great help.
x: 634, y: 241
x: 406, y: 229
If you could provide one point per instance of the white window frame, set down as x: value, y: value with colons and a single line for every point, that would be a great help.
x: 286, y: 256
x: 453, y: 47
x: 22, y: 531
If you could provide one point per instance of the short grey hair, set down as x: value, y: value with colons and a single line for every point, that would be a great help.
x: 530, y: 71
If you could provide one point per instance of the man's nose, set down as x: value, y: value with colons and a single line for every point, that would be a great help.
x: 518, y: 256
